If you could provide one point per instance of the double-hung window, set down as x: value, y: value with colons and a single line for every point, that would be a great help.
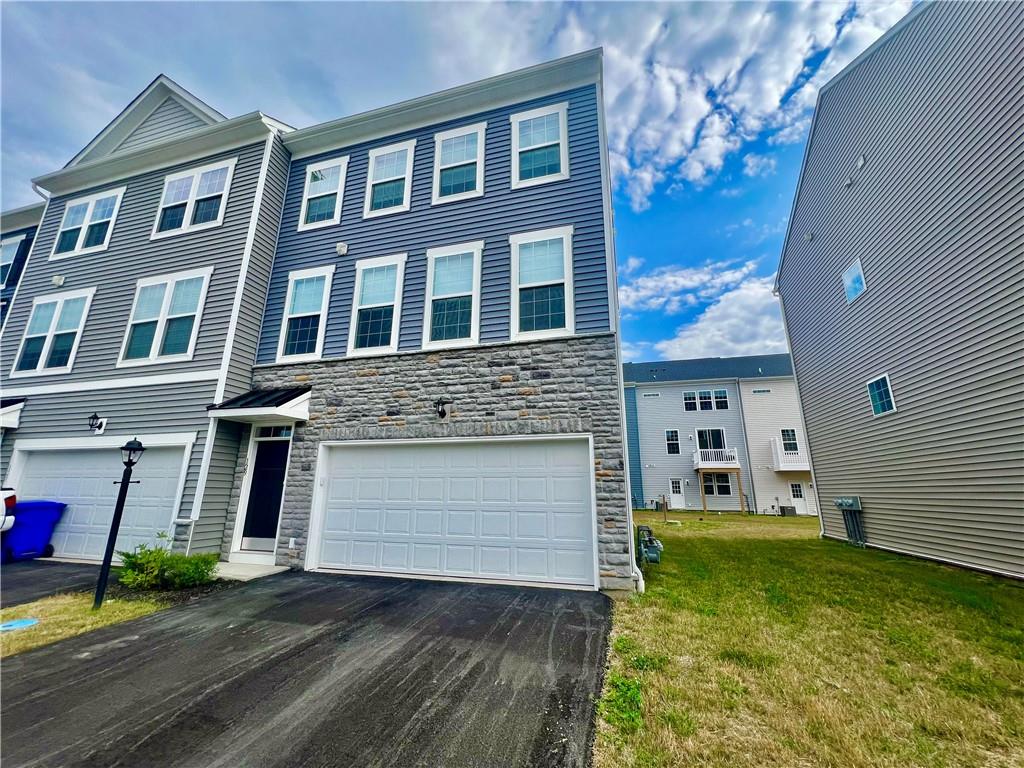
x: 452, y: 313
x: 8, y: 250
x: 459, y: 163
x: 322, y: 196
x: 789, y: 443
x: 377, y: 305
x: 880, y: 392
x: 53, y: 332
x: 721, y: 400
x: 194, y: 199
x: 164, y: 322
x: 542, y: 293
x: 717, y: 484
x: 689, y: 401
x: 389, y: 179
x: 305, y: 314
x: 540, y: 145
x: 87, y: 224
x: 672, y: 442
x: 707, y: 402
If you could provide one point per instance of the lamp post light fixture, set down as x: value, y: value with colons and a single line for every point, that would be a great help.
x: 131, y: 452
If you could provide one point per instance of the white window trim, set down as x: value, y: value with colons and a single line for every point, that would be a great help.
x: 696, y: 438
x: 562, y: 110
x: 327, y: 271
x: 11, y: 241
x: 161, y: 321
x: 336, y: 218
x: 696, y: 400
x: 570, y: 304
x: 410, y: 146
x: 679, y: 442
x: 714, y: 400
x: 477, y: 249
x: 197, y: 173
x: 892, y: 395
x: 91, y: 200
x: 363, y: 264
x: 860, y: 268
x: 714, y: 484
x: 60, y: 298
x: 782, y: 438
x: 480, y: 129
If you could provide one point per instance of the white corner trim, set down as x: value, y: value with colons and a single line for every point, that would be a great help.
x: 562, y: 110
x: 410, y: 147
x: 204, y: 472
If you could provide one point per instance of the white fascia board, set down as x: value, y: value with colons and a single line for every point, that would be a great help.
x: 513, y: 87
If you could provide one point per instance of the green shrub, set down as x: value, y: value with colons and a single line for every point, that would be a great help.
x: 159, y: 568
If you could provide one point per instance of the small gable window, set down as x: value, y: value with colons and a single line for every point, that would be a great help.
x: 459, y: 163
x: 540, y: 146
x: 87, y: 224
x: 322, y: 195
x: 194, y: 199
x: 389, y: 179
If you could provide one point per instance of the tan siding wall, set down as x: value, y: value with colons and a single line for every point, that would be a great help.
x: 937, y: 218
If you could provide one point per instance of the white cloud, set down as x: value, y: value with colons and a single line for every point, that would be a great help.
x: 743, y: 321
x: 758, y: 165
x: 633, y: 263
x: 635, y: 351
x: 672, y: 289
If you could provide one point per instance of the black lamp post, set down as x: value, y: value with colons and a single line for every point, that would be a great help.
x: 131, y: 452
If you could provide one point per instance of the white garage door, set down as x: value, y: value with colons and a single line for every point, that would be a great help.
x: 502, y: 510
x: 84, y: 480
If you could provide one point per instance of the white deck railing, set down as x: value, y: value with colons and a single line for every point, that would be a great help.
x: 783, y: 460
x: 715, y: 457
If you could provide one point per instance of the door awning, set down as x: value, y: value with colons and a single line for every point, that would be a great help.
x: 259, y: 406
x: 10, y: 412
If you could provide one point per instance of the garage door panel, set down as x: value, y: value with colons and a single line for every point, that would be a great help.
x: 84, y: 480
x: 502, y: 510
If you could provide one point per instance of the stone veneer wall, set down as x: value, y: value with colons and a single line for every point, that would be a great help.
x: 548, y: 387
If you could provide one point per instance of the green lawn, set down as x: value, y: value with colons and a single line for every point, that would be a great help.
x: 758, y: 644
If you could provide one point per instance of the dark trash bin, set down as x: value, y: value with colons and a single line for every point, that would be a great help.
x: 30, y: 535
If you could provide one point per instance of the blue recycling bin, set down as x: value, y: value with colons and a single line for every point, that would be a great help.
x: 30, y: 535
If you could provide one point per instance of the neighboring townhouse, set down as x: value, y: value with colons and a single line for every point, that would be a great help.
x: 17, y: 230
x: 902, y: 285
x: 437, y: 385
x: 139, y: 303
x: 720, y: 433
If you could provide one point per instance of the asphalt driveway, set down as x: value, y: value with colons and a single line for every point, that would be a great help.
x: 28, y: 580
x: 319, y: 670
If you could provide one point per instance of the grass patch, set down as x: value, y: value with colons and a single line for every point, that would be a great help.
x: 63, y: 616
x: 759, y: 644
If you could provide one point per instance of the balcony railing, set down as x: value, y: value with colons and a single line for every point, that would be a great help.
x: 788, y: 461
x: 715, y: 457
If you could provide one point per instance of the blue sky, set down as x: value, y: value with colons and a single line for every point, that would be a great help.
x: 708, y: 106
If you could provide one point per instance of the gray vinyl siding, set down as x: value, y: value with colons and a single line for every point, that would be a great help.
x: 636, y: 477
x: 17, y: 266
x: 128, y: 412
x: 657, y: 414
x: 247, y: 331
x: 765, y: 415
x: 130, y: 256
x: 499, y: 213
x: 208, y: 531
x: 935, y: 217
x: 166, y: 121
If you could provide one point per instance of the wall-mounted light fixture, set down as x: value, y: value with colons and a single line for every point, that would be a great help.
x: 439, y: 406
x: 860, y: 161
x: 97, y: 423
x: 341, y: 249
x: 808, y: 236
x: 57, y: 280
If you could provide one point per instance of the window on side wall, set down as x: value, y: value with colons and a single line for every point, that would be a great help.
x: 459, y: 163
x: 717, y: 484
x: 8, y: 250
x: 389, y: 179
x: 707, y: 401
x: 542, y: 285
x: 194, y: 199
x: 789, y: 443
x: 164, y: 321
x: 689, y: 401
x: 376, y: 306
x: 880, y: 392
x: 452, y: 311
x: 323, y: 193
x: 853, y: 281
x: 305, y: 314
x: 87, y: 224
x: 672, y: 442
x: 540, y: 146
x: 53, y: 332
x: 721, y: 400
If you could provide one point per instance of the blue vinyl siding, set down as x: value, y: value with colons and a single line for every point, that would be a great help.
x: 636, y: 475
x: 499, y: 213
